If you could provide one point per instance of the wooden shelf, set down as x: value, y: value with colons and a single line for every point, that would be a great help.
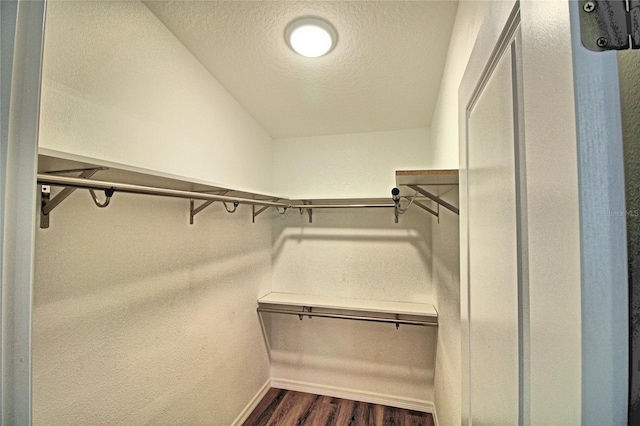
x: 427, y: 177
x: 345, y: 308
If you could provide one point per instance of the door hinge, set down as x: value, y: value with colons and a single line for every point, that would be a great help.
x: 610, y: 24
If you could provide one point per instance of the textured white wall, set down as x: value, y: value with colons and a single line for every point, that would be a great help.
x: 141, y: 318
x: 444, y: 123
x: 347, y: 166
x: 118, y: 86
x: 359, y: 254
x: 445, y: 235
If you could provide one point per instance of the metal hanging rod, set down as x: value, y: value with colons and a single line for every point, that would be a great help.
x: 341, y: 206
x: 71, y: 182
x: 307, y: 313
x: 83, y: 182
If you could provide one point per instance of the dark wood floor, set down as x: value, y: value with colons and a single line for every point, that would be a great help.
x: 283, y: 408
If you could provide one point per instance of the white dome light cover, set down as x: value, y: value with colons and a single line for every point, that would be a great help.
x: 311, y: 36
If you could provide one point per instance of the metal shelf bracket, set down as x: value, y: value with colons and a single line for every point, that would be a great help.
x: 435, y: 198
x: 436, y: 213
x: 193, y: 210
x: 47, y: 204
x: 309, y: 211
x: 261, y: 209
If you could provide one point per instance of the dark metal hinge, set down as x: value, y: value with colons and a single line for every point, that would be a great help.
x: 610, y: 24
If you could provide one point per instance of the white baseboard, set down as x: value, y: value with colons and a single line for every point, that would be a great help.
x: 356, y: 395
x: 252, y: 404
x: 435, y: 416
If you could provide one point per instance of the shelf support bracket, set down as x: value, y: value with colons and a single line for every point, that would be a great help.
x: 435, y: 198
x: 261, y: 209
x: 430, y: 210
x: 309, y: 211
x: 193, y: 210
x: 47, y: 204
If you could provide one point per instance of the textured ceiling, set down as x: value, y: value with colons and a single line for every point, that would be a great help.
x: 384, y: 73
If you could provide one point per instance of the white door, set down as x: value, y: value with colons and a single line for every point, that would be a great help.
x: 492, y: 141
x: 531, y: 301
x: 493, y: 243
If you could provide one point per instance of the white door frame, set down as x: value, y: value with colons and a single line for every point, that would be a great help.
x: 22, y: 25
x: 603, y: 239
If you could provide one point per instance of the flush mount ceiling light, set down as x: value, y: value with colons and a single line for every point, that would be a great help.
x: 311, y: 37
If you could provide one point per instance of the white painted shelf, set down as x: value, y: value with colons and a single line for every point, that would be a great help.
x: 345, y: 308
x: 52, y: 162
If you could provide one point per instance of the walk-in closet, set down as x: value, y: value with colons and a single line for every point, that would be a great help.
x: 213, y: 218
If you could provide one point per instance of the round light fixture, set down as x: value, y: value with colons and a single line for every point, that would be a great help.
x: 311, y: 37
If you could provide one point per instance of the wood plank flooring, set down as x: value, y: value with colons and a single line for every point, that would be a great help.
x: 287, y: 408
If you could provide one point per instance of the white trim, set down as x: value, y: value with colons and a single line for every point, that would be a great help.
x: 246, y: 412
x: 603, y: 239
x: 356, y: 395
x: 18, y: 205
x: 434, y: 415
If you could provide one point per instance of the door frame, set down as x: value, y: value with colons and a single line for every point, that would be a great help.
x: 22, y: 43
x: 603, y: 236
x: 574, y: 310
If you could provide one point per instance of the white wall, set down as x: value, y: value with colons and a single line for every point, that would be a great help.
x: 141, y: 318
x: 352, y: 253
x: 120, y: 88
x: 445, y: 235
x: 444, y: 124
x: 347, y: 166
x: 359, y: 254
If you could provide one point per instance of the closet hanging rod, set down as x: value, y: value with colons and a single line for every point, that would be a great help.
x: 44, y: 179
x: 302, y: 314
x: 82, y: 183
x: 340, y: 206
